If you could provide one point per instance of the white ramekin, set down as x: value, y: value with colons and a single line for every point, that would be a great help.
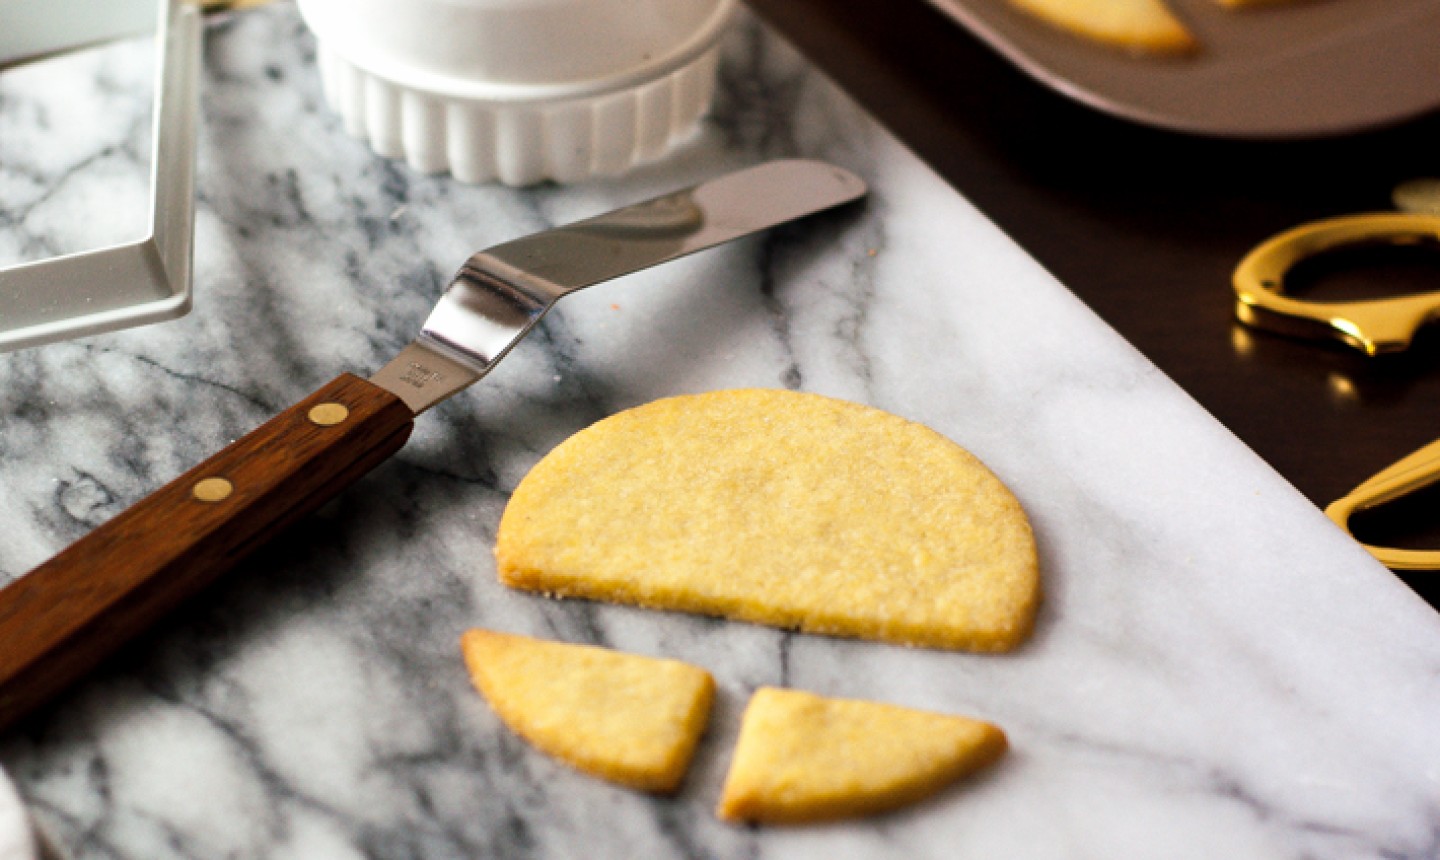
x: 519, y: 90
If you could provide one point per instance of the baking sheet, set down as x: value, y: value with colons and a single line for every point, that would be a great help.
x: 1290, y: 69
x: 72, y: 293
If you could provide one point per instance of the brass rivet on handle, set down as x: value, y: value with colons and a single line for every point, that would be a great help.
x: 212, y: 490
x: 328, y: 414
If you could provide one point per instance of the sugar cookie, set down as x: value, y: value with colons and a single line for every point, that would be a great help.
x: 782, y: 508
x: 803, y: 757
x: 626, y: 718
x: 1141, y: 26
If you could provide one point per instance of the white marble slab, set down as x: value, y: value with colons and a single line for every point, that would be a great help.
x: 17, y: 837
x: 1217, y: 672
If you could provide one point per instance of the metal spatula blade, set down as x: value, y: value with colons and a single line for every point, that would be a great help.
x: 502, y: 292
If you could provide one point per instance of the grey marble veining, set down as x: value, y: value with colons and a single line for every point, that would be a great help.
x: 1217, y: 672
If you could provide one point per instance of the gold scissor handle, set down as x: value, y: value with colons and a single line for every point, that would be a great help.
x: 1415, y: 472
x: 1373, y: 326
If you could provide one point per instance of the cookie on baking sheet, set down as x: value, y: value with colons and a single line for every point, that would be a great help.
x: 782, y: 508
x: 1246, y: 4
x: 803, y: 757
x: 630, y: 719
x: 1139, y: 26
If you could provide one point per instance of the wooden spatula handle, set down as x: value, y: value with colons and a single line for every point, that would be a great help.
x: 61, y: 619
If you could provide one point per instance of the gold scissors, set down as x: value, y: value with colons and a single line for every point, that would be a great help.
x: 1373, y: 326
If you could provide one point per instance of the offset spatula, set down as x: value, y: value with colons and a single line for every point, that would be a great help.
x: 62, y: 618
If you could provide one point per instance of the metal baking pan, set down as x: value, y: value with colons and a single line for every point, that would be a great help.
x: 1290, y: 69
x: 137, y: 282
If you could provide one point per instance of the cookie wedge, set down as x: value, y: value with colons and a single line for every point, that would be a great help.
x: 625, y: 718
x: 804, y: 758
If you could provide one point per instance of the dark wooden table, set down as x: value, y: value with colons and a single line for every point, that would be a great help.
x: 1146, y: 226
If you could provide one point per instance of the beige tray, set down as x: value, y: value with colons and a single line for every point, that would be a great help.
x: 1302, y: 68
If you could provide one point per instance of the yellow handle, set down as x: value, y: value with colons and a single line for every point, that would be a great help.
x: 1415, y: 472
x: 1374, y: 326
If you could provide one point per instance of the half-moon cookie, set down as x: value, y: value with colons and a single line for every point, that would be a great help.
x: 626, y: 718
x: 783, y: 508
x: 803, y: 757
